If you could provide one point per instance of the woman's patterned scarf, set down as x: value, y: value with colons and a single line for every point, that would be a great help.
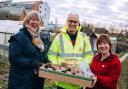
x: 36, y: 39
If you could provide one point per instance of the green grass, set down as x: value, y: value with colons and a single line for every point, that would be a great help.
x: 123, y: 82
x: 3, y: 84
x: 121, y: 54
x: 3, y: 70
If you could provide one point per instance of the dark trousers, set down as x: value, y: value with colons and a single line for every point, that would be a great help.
x: 38, y: 83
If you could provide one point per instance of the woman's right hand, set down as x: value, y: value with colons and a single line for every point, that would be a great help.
x: 38, y: 65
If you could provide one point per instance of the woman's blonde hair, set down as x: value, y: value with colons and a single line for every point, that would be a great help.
x: 30, y: 15
x: 103, y: 37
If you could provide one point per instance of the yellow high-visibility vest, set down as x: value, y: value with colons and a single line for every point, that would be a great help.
x: 62, y: 50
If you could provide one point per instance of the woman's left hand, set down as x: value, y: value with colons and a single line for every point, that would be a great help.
x: 94, y: 81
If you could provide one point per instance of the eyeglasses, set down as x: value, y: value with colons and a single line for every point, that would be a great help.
x: 71, y: 21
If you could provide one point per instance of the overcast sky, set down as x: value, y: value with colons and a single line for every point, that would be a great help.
x: 91, y: 11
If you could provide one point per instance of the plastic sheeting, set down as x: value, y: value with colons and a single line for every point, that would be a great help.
x: 9, y: 26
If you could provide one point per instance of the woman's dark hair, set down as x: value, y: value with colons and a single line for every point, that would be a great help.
x: 104, y: 37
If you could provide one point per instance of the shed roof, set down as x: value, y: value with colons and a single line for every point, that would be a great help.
x: 16, y: 11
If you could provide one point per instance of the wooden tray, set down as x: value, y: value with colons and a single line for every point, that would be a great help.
x: 59, y: 76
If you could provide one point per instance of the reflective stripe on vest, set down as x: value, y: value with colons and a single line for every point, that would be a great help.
x: 61, y: 43
x: 84, y: 42
x: 64, y: 55
x: 70, y: 54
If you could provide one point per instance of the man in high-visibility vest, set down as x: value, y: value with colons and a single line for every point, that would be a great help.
x: 71, y: 43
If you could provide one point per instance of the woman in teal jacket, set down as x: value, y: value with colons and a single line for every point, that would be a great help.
x: 26, y: 54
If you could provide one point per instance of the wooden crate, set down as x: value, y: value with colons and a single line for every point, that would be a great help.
x: 59, y: 76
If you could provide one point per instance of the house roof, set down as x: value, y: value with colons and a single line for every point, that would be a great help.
x: 16, y: 11
x: 101, y: 30
x: 97, y: 30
